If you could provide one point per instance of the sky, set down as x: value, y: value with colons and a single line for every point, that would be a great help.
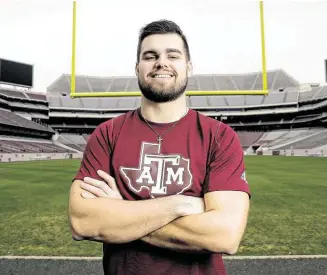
x: 224, y: 36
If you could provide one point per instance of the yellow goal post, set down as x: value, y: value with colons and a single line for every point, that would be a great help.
x: 77, y: 94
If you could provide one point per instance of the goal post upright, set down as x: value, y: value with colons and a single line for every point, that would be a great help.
x: 73, y: 68
x: 263, y: 48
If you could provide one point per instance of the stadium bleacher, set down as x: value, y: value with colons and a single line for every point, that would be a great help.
x: 23, y: 146
x: 293, y: 116
x: 16, y: 120
x: 288, y: 136
x: 125, y: 103
x: 77, y: 142
x: 277, y: 79
x: 311, y: 140
x: 248, y: 139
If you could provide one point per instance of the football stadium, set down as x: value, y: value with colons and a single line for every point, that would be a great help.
x: 283, y: 134
x: 290, y: 121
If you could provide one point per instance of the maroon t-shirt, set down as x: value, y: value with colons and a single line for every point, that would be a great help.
x: 196, y: 156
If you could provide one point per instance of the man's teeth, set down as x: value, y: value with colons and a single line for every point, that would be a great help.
x: 162, y: 76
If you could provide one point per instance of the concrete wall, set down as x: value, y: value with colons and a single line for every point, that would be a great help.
x: 298, y: 152
x: 40, y: 156
x: 319, y: 152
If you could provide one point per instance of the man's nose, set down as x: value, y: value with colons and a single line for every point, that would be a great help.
x: 161, y: 63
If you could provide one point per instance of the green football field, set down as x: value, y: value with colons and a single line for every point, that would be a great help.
x: 288, y: 209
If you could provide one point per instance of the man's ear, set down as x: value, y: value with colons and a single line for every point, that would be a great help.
x: 189, y: 69
x: 137, y: 70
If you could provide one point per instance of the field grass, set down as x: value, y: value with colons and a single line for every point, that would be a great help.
x: 288, y: 209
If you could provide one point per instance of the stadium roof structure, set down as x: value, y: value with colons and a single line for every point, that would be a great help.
x: 277, y: 79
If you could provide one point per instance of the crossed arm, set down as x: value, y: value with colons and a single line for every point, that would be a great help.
x: 175, y: 222
x: 219, y: 229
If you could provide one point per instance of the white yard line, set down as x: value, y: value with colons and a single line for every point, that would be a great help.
x: 276, y: 257
x: 48, y: 258
x: 225, y: 257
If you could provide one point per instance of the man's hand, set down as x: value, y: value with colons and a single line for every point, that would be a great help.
x: 100, y: 189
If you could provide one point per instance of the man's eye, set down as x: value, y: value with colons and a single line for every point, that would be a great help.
x: 149, y: 57
x: 173, y: 57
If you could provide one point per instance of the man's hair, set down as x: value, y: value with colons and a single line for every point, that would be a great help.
x: 162, y: 27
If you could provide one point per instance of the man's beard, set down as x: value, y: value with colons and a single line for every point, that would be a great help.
x: 162, y: 95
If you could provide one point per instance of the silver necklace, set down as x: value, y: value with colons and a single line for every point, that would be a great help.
x: 160, y: 137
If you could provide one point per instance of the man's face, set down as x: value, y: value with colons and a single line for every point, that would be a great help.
x: 163, y: 67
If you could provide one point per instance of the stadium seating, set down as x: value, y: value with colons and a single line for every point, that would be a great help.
x: 322, y: 93
x: 235, y: 100
x: 291, y: 97
x: 269, y: 137
x: 312, y: 140
x: 35, y: 96
x: 248, y: 139
x: 13, y: 119
x: 285, y: 95
x: 277, y: 79
x: 274, y: 98
x: 94, y: 103
x: 279, y: 121
x: 28, y: 146
x: 308, y: 138
x: 12, y: 93
x: 283, y: 89
x: 76, y: 142
x: 127, y: 103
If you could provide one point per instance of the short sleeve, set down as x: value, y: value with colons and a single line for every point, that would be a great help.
x: 226, y: 169
x: 97, y: 153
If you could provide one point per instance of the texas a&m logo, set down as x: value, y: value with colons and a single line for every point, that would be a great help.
x: 160, y: 174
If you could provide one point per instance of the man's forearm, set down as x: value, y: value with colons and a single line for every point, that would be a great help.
x: 201, y: 233
x: 165, y: 238
x: 119, y: 221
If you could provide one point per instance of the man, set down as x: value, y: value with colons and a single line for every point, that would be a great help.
x: 163, y: 187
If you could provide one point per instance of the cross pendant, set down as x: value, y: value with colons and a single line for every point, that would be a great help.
x: 159, y: 139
